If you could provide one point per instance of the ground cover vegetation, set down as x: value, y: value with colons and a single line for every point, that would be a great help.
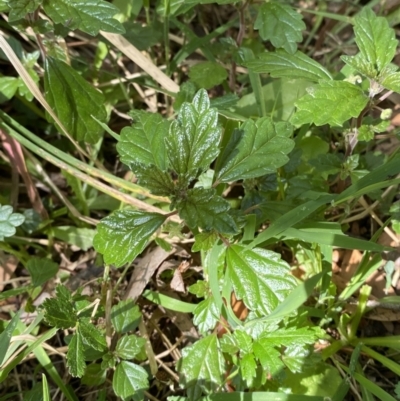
x: 199, y: 200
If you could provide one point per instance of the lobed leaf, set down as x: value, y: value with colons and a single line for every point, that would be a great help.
x: 130, y: 380
x: 331, y: 102
x: 281, y: 25
x: 144, y: 142
x: 269, y: 357
x: 255, y: 149
x: 204, y: 209
x: 206, y: 314
x: 259, y: 277
x: 8, y: 221
x: 202, y: 367
x: 90, y: 16
x: 193, y: 139
x: 124, y: 234
x: 281, y: 64
x: 74, y: 100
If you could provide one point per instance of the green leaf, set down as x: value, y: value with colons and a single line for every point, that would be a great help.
x: 281, y: 64
x: 80, y: 237
x: 8, y: 221
x: 206, y: 314
x: 5, y: 336
x: 257, y: 148
x: 144, y: 142
x: 74, y: 100
x: 92, y: 336
x: 203, y: 208
x: 125, y: 316
x: 204, y: 241
x: 259, y: 277
x: 244, y: 341
x: 248, y: 368
x: 41, y: 270
x: 375, y: 39
x: 90, y: 16
x: 8, y: 88
x: 269, y: 357
x: 292, y: 336
x: 202, y: 367
x: 124, y: 234
x: 129, y: 346
x: 332, y: 102
x: 281, y: 25
x: 192, y: 143
x: 391, y: 81
x: 19, y: 8
x: 76, y: 356
x: 94, y: 375
x: 361, y: 65
x: 207, y: 74
x: 130, y: 380
x: 157, y: 181
x: 60, y: 312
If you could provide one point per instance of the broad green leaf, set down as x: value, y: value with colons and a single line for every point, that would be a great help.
x: 203, y: 208
x: 244, y: 341
x: 375, y: 39
x: 80, y: 237
x: 281, y: 25
x: 281, y: 64
x: 255, y: 149
x: 74, y: 100
x: 269, y: 357
x: 248, y: 368
x: 157, y: 181
x: 259, y: 277
x: 19, y: 8
x: 125, y: 316
x: 296, y: 357
x: 41, y: 270
x: 90, y: 16
x: 124, y: 234
x: 92, y: 336
x: 361, y: 65
x: 144, y: 142
x: 76, y: 356
x: 5, y: 336
x: 207, y: 74
x: 192, y: 143
x: 94, y: 375
x: 8, y: 221
x: 391, y: 81
x: 202, y: 367
x: 60, y: 311
x: 206, y: 314
x: 8, y: 88
x: 129, y: 346
x: 130, y: 380
x: 331, y: 102
x: 204, y: 241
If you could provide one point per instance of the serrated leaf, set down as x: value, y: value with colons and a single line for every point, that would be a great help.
x: 144, y: 142
x: 255, y: 149
x: 361, y: 65
x: 203, y: 208
x: 202, y: 367
x: 281, y: 64
x: 259, y: 277
x: 157, y: 181
x: 92, y: 336
x: 244, y: 341
x: 200, y: 288
x: 365, y: 133
x: 391, y: 81
x: 41, y: 270
x: 207, y: 74
x: 290, y: 337
x: 8, y: 221
x: 130, y: 380
x: 76, y: 356
x: 331, y: 102
x: 60, y: 312
x: 281, y: 25
x: 79, y: 237
x: 129, y: 346
x: 125, y: 316
x: 375, y: 39
x: 204, y: 241
x: 295, y: 357
x: 269, y: 357
x: 74, y: 100
x: 90, y: 16
x: 124, y: 234
x: 228, y: 344
x: 206, y: 314
x: 19, y: 8
x: 193, y: 139
x: 248, y: 368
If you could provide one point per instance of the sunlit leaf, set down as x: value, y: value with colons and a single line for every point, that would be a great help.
x: 130, y: 380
